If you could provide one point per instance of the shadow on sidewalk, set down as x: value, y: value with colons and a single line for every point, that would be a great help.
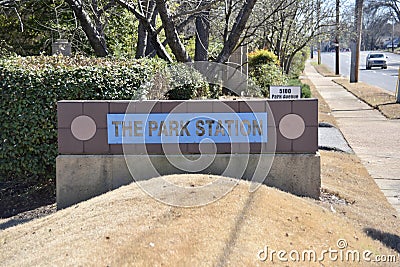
x: 388, y: 239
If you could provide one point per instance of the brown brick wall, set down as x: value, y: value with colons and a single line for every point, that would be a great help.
x: 98, y: 110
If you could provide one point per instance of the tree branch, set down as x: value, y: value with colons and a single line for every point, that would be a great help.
x: 96, y: 38
x: 196, y: 10
x: 178, y: 49
x: 237, y: 29
x: 161, y: 51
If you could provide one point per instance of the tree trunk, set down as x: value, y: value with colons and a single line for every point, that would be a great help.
x: 202, y: 36
x: 237, y: 30
x: 142, y: 41
x: 143, y: 37
x: 279, y: 41
x: 150, y: 50
x: 177, y: 48
x: 94, y: 33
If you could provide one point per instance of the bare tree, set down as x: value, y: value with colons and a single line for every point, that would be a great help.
x: 375, y: 24
x: 290, y: 26
x: 148, y: 25
x: 393, y: 5
x: 174, y: 23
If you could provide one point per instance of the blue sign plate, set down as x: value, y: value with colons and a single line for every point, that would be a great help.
x: 167, y: 128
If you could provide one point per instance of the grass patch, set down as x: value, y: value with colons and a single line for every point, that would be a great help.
x: 323, y: 70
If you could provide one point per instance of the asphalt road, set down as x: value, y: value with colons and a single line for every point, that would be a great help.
x: 386, y: 79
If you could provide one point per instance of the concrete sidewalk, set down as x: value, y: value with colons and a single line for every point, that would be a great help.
x: 375, y: 139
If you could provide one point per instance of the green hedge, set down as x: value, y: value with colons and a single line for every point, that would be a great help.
x: 30, y: 88
x: 299, y: 63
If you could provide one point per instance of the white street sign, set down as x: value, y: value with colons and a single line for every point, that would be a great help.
x: 284, y: 92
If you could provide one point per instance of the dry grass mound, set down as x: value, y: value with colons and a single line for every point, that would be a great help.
x: 127, y: 227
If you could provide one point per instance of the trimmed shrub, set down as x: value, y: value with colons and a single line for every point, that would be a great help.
x: 266, y: 75
x: 5, y: 49
x: 264, y: 70
x: 262, y: 57
x: 30, y: 88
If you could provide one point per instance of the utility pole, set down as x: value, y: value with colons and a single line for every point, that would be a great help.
x: 312, y: 51
x: 319, y: 40
x: 356, y: 43
x: 392, y: 34
x: 337, y: 37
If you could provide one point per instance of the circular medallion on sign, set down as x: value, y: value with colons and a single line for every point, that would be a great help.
x: 83, y: 128
x: 292, y: 126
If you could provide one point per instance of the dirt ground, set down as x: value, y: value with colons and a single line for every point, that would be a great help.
x: 21, y: 196
x: 127, y: 227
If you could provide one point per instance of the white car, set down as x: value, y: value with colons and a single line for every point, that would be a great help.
x: 376, y: 60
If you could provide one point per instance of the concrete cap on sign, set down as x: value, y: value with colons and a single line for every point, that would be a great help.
x: 83, y: 128
x: 292, y: 126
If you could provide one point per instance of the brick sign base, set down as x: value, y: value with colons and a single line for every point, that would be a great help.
x: 88, y: 165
